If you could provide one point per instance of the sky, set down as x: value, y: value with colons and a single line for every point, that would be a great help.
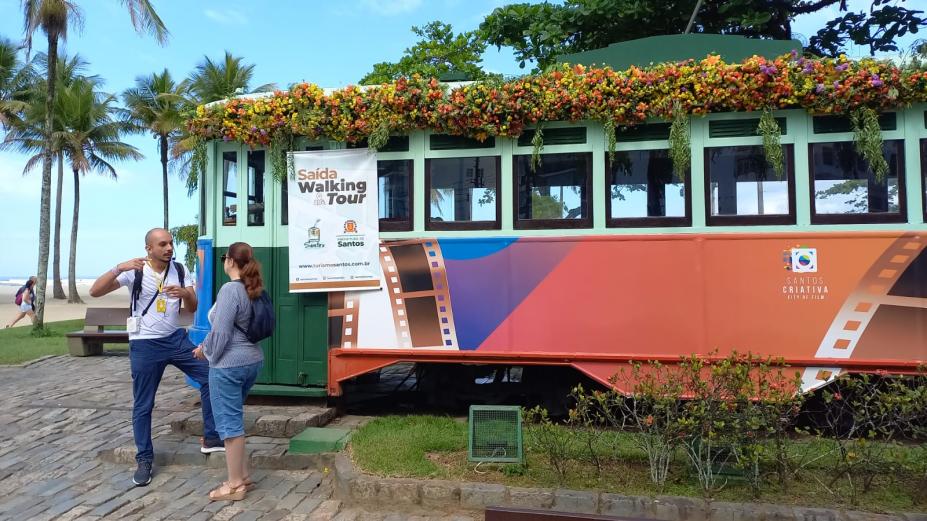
x: 332, y: 44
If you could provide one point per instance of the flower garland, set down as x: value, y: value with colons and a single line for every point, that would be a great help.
x: 566, y: 93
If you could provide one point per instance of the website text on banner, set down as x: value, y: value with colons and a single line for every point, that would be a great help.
x: 333, y: 221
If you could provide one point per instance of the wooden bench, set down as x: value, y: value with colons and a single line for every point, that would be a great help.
x: 90, y: 340
x: 526, y: 514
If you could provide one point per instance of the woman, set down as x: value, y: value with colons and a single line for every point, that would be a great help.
x: 234, y: 363
x: 28, y: 302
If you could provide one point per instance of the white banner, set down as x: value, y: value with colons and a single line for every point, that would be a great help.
x: 334, y: 225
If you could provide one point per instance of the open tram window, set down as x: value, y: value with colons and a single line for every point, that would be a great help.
x: 394, y: 185
x: 556, y: 193
x: 743, y: 189
x: 924, y: 176
x: 463, y: 193
x: 256, y: 188
x: 229, y: 188
x: 642, y: 190
x: 845, y: 189
x: 285, y: 193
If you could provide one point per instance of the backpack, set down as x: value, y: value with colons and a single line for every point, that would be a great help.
x: 262, y: 322
x: 19, y: 296
x: 137, y: 283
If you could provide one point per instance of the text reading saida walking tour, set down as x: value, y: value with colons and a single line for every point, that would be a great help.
x: 333, y: 221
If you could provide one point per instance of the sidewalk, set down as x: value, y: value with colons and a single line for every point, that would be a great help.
x: 59, y: 413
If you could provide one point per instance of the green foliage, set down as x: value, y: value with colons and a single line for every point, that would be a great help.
x: 438, y: 52
x: 680, y: 149
x: 553, y: 440
x: 281, y: 162
x: 611, y: 141
x: 772, y: 146
x: 21, y: 344
x: 187, y: 235
x: 537, y: 144
x: 546, y: 206
x: 541, y: 32
x: 867, y: 135
x: 221, y: 79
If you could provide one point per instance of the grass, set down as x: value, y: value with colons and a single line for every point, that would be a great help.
x: 18, y: 345
x: 436, y: 447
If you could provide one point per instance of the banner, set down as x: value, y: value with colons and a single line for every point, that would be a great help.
x: 333, y: 221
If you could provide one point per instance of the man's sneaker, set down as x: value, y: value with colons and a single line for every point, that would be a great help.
x: 210, y: 446
x: 142, y: 474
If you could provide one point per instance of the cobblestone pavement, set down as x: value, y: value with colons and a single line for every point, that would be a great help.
x: 57, y: 414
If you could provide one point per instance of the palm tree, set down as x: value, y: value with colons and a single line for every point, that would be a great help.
x: 68, y: 70
x: 90, y: 139
x: 15, y: 78
x: 52, y: 17
x: 26, y: 138
x: 212, y: 81
x: 155, y: 105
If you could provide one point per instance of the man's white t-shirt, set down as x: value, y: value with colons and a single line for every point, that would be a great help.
x: 155, y: 324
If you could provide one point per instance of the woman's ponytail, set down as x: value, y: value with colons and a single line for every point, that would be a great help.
x: 249, y: 268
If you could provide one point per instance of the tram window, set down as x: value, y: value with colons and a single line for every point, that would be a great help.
x: 643, y: 190
x: 555, y: 194
x: 394, y: 184
x: 924, y: 175
x: 463, y: 193
x: 256, y: 188
x: 285, y: 193
x: 742, y: 188
x: 845, y: 189
x: 229, y: 188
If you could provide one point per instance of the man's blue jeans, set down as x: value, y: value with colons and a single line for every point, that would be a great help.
x: 148, y: 359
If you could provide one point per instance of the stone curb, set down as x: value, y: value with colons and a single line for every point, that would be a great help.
x: 257, y: 424
x: 415, y: 493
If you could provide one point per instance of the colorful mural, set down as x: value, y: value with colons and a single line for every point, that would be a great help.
x: 804, y: 297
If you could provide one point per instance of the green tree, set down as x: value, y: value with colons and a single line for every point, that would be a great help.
x: 210, y: 81
x: 216, y: 80
x: 541, y: 32
x: 68, y: 71
x: 156, y: 105
x: 438, y: 52
x: 15, y: 79
x: 90, y: 140
x: 53, y: 17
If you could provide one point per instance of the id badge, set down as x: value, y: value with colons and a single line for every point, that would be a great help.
x: 161, y: 305
x: 132, y: 325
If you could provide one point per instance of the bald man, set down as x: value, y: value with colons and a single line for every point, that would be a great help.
x: 156, y: 338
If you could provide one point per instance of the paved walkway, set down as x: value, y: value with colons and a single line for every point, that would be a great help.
x: 58, y: 413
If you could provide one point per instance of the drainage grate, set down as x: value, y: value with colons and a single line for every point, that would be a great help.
x: 495, y: 434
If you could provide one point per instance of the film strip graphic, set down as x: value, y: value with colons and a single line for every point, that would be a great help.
x: 343, y: 314
x: 859, y: 309
x: 415, y: 282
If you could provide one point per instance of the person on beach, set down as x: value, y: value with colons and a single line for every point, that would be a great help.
x: 158, y: 288
x: 25, y: 299
x: 234, y: 362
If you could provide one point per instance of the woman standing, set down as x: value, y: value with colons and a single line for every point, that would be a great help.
x: 234, y: 363
x: 27, y: 305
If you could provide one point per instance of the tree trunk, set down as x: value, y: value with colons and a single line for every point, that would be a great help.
x: 73, y: 297
x: 57, y: 289
x: 164, y: 175
x: 45, y: 205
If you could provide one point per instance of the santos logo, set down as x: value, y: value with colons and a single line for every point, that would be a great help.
x: 804, y: 260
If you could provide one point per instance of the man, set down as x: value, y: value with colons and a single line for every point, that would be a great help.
x: 156, y: 339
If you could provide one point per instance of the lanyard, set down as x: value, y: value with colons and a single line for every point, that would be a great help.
x: 160, y: 286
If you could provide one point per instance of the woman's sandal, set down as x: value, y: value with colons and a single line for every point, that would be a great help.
x: 225, y: 492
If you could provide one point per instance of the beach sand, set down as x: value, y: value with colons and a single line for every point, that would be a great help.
x: 56, y: 310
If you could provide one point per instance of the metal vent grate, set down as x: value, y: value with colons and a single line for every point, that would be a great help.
x: 740, y: 127
x: 495, y: 434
